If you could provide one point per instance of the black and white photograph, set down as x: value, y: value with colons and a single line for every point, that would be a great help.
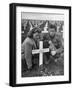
x: 40, y: 45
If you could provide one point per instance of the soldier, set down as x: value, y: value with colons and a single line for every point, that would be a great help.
x: 55, y: 44
x: 54, y: 41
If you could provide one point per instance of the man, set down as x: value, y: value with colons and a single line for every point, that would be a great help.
x: 54, y: 41
x: 55, y: 44
x: 27, y: 46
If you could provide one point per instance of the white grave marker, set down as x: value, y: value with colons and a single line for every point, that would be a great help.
x: 41, y: 50
x: 45, y: 28
x: 31, y: 27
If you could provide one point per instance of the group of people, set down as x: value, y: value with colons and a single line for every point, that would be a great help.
x: 52, y: 40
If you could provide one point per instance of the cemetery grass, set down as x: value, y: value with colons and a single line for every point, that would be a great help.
x: 51, y: 69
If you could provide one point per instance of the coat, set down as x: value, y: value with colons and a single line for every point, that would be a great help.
x: 26, y: 50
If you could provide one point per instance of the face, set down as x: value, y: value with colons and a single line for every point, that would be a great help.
x: 36, y: 36
x: 52, y: 32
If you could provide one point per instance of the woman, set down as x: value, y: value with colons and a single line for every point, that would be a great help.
x: 28, y: 44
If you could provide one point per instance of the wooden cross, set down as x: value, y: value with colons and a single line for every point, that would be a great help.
x: 41, y: 50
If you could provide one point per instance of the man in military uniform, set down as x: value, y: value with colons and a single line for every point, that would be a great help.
x: 55, y: 44
x: 54, y: 41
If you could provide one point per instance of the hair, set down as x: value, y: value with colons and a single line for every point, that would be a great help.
x: 34, y: 30
x: 53, y: 27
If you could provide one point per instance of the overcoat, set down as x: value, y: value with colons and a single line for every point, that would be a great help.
x: 26, y: 50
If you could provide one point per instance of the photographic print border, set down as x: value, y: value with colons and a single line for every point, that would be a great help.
x: 12, y: 64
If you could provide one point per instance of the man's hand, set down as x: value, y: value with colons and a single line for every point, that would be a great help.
x: 53, y: 52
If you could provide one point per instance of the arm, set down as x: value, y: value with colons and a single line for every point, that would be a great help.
x: 28, y: 51
x: 54, y: 49
x: 61, y: 43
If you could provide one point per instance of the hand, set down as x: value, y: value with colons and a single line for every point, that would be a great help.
x: 50, y: 42
x: 53, y: 52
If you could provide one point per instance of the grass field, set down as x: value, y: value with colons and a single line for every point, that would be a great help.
x: 51, y: 69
